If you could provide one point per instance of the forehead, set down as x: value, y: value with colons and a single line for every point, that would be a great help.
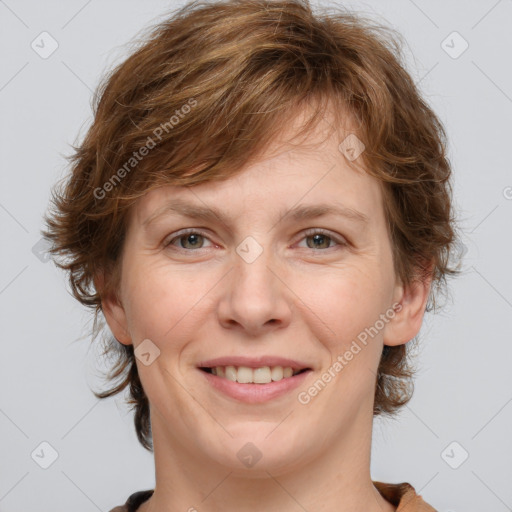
x: 311, y: 169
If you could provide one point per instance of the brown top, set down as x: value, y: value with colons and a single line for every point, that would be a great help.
x: 402, y: 495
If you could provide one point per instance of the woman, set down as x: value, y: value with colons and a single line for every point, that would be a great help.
x: 262, y: 213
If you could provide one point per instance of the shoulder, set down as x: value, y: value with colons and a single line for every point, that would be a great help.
x: 404, y: 497
x: 133, y: 502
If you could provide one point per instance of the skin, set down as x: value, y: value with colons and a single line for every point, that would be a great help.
x: 197, y: 299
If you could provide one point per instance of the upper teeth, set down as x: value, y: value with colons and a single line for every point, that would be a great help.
x: 246, y: 375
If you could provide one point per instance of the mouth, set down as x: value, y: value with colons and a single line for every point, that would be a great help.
x: 254, y: 384
x: 254, y: 379
x: 250, y: 375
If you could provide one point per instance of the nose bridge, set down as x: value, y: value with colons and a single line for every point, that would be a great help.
x: 255, y: 298
x: 252, y: 266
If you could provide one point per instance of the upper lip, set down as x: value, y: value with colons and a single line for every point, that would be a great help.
x: 253, y: 362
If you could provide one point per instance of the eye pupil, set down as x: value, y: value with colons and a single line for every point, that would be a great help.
x: 320, y: 237
x: 193, y: 237
x: 193, y: 240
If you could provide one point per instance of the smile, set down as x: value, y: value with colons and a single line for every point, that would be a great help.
x: 254, y: 385
x: 247, y: 375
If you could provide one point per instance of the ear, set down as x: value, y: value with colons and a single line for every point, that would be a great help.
x: 113, y: 311
x: 411, y: 303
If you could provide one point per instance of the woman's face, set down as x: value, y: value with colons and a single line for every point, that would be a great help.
x: 261, y: 280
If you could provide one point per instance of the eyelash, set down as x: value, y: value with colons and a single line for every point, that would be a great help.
x: 307, y: 233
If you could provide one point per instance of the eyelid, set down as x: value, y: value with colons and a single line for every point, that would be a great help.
x: 338, y: 239
x: 179, y: 234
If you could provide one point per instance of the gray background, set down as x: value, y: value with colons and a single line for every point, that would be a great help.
x: 464, y: 388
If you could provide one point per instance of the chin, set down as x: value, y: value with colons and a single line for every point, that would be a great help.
x: 256, y: 453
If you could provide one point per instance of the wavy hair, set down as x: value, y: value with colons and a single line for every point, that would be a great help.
x: 205, y: 92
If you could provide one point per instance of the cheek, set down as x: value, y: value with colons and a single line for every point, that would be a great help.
x: 342, y: 303
x: 162, y: 300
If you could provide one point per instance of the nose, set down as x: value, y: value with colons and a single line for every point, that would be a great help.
x: 256, y: 298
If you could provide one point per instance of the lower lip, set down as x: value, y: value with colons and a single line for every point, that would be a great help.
x: 255, y: 393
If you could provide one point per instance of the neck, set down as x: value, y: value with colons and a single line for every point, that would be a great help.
x: 336, y: 479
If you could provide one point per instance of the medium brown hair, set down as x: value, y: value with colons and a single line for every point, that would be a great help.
x: 205, y: 92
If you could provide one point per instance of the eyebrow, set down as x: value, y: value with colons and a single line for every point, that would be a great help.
x: 300, y: 212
